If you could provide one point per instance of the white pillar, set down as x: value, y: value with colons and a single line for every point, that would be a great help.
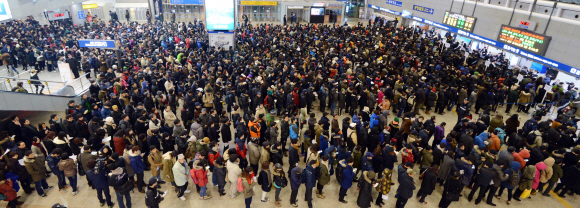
x: 74, y: 13
x: 507, y: 3
x: 559, y: 12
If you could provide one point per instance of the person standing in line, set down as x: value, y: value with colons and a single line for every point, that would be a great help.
x: 265, y: 180
x: 310, y: 180
x: 153, y: 196
x: 365, y: 197
x: 428, y: 184
x: 280, y: 182
x: 498, y: 178
x: 234, y: 172
x: 406, y: 187
x: 384, y: 187
x: 220, y: 172
x: 511, y: 183
x: 69, y: 167
x: 199, y: 175
x: 181, y: 173
x: 35, y: 166
x: 347, y: 176
x: 99, y: 178
x: 117, y: 178
x: 324, y: 176
x: 248, y: 182
x: 52, y: 160
x: 483, y: 180
x: 135, y: 157
x: 451, y: 190
x: 295, y: 181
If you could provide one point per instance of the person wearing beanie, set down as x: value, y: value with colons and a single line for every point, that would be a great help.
x: 153, y: 196
x: 280, y: 181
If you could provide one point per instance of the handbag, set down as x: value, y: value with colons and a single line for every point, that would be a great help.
x: 127, y: 187
x: 526, y: 193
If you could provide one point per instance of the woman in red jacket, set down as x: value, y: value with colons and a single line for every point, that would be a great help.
x: 199, y: 176
x: 7, y: 190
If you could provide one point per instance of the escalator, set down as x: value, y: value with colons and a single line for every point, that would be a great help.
x: 38, y: 107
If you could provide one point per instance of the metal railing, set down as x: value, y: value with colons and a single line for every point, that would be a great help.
x: 43, y: 86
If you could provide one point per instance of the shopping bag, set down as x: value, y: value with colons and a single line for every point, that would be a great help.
x: 526, y: 193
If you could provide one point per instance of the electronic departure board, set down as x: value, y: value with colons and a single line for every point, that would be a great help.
x: 524, y: 39
x: 459, y: 21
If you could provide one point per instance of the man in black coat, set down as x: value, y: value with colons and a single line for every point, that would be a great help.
x: 74, y: 65
x: 467, y: 140
x: 463, y: 110
x: 225, y: 130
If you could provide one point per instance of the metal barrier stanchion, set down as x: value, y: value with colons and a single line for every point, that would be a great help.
x: 9, y: 84
x: 47, y: 88
x: 30, y: 84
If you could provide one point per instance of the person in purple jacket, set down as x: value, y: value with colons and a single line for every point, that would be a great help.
x: 439, y: 134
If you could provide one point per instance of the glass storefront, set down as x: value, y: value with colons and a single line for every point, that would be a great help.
x: 183, y: 12
x: 258, y: 13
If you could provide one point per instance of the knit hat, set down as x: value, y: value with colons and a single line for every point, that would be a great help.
x: 277, y: 166
x: 493, y: 152
x: 180, y: 156
x: 409, y: 164
x: 297, y: 170
x: 206, y: 140
x: 396, y: 121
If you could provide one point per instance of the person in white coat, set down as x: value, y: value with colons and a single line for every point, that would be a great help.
x: 180, y: 174
x: 234, y: 172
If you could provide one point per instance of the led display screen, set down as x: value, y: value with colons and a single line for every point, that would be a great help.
x: 219, y: 14
x: 524, y: 39
x: 459, y: 21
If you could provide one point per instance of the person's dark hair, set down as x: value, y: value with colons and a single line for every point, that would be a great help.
x: 112, y: 166
x: 349, y: 160
x: 64, y: 156
x: 28, y: 152
x: 56, y: 151
x: 313, y: 162
x: 266, y: 165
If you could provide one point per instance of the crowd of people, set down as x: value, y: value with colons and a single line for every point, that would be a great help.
x: 186, y: 112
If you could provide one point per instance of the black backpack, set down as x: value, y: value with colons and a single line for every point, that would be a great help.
x: 339, y: 170
x: 531, y: 138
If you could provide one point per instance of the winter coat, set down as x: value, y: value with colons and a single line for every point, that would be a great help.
x: 127, y: 161
x: 68, y: 167
x: 445, y: 167
x: 540, y: 167
x: 264, y: 155
x: 528, y: 177
x: 310, y: 177
x: 221, y: 173
x: 520, y: 156
x: 347, y: 174
x: 324, y: 173
x: 119, y: 143
x: 180, y: 173
x: 429, y: 181
x: 254, y: 153
x: 365, y: 196
x: 156, y: 162
x: 136, y: 162
x: 6, y: 189
x: 485, y: 176
x: 234, y: 172
x: 515, y: 169
x: 248, y: 188
x: 547, y: 173
x: 385, y: 182
x: 406, y: 186
x: 197, y: 130
x: 295, y: 179
x: 499, y: 176
x: 168, y: 162
x: 199, y: 173
x: 558, y: 172
x: 35, y: 168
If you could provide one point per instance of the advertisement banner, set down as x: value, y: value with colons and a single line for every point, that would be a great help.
x: 221, y: 39
x: 261, y: 3
x: 423, y: 9
x: 395, y: 3
x: 219, y: 14
x: 90, y: 6
x: 107, y: 44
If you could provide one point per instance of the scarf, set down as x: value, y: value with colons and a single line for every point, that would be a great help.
x: 39, y: 147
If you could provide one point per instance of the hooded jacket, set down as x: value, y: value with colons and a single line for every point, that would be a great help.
x: 527, y: 177
x: 520, y: 156
x: 234, y: 171
x: 168, y: 172
x: 198, y: 172
x: 540, y: 167
x: 547, y: 173
x: 136, y: 161
x: 68, y: 166
x: 515, y: 169
x: 180, y: 171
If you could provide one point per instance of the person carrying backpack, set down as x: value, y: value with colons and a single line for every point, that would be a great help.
x: 280, y: 181
x: 345, y: 179
x: 323, y: 175
x: 310, y: 176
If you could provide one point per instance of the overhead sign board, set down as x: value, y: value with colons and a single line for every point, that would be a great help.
x: 90, y: 6
x: 523, y: 39
x: 538, y: 58
x: 185, y: 2
x: 262, y: 3
x: 423, y: 9
x: 459, y: 21
x: 527, y: 24
x: 92, y: 43
x: 57, y: 15
x: 394, y: 3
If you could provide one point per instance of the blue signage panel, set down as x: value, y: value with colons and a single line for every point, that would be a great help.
x: 82, y: 15
x: 385, y: 10
x: 186, y: 1
x: 107, y: 44
x: 537, y: 58
x: 395, y: 3
x: 423, y: 9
